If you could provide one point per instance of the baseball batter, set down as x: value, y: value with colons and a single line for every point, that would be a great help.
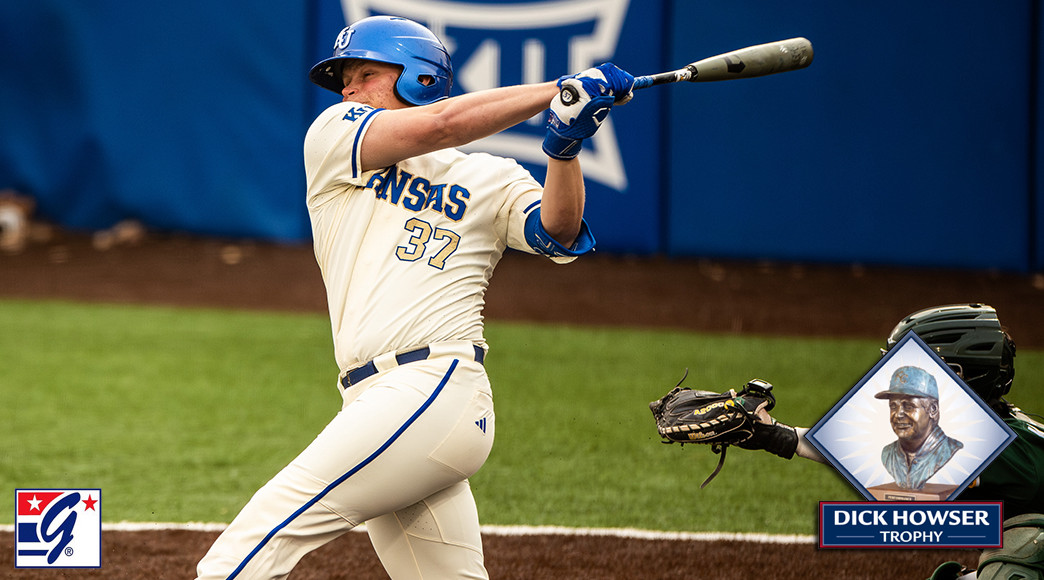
x: 407, y: 231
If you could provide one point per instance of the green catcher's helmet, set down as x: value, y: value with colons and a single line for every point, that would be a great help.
x: 969, y: 337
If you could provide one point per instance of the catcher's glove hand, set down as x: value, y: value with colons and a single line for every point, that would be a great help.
x: 685, y: 415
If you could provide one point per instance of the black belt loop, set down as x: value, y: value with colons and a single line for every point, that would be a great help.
x: 369, y: 369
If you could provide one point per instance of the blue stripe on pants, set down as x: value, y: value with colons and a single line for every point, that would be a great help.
x: 351, y: 472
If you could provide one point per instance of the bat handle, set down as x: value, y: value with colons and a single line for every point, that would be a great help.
x: 642, y: 82
x: 568, y: 95
x: 687, y: 73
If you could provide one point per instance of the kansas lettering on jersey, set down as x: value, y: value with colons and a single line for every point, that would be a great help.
x: 417, y: 193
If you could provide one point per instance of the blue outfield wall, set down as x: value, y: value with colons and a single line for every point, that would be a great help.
x: 184, y: 115
x: 912, y: 139
x: 907, y: 141
x: 1037, y: 151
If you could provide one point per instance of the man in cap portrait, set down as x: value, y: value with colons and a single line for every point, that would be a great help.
x: 922, y: 448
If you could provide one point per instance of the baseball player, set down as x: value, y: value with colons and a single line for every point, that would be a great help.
x: 407, y: 231
x: 972, y: 341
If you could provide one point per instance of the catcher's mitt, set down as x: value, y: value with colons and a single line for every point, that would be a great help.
x: 685, y: 415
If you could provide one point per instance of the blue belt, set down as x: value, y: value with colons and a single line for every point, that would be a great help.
x: 369, y: 369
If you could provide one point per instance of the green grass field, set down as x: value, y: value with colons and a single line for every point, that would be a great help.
x: 181, y: 414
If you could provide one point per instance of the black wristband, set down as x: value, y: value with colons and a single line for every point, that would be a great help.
x: 778, y: 439
x: 783, y: 440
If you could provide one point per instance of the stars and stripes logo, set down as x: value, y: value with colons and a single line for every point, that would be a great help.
x: 57, y: 528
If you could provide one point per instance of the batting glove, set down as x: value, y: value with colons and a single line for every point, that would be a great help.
x: 577, y: 111
x: 621, y: 82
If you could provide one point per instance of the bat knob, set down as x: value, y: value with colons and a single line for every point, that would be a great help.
x: 568, y: 95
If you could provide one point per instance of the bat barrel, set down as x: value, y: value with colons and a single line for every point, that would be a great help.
x: 750, y: 62
x: 755, y: 61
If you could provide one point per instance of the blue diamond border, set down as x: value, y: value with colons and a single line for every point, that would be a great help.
x: 910, y: 336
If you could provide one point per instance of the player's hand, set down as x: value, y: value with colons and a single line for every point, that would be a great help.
x: 621, y: 82
x: 763, y: 417
x: 577, y: 111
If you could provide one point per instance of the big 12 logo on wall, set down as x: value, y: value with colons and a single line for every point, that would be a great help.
x: 57, y: 528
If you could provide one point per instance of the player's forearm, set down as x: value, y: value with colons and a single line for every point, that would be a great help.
x: 400, y: 134
x: 466, y: 118
x: 562, y: 204
x: 805, y: 449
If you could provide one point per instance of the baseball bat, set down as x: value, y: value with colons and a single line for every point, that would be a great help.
x: 754, y: 61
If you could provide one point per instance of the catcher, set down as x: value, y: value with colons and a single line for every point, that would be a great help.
x: 972, y: 342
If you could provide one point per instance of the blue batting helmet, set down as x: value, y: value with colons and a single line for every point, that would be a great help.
x: 392, y: 40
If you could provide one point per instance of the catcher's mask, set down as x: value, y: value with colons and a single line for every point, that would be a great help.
x: 970, y: 339
x: 392, y: 40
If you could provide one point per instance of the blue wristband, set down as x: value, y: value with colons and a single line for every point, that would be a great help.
x: 562, y: 148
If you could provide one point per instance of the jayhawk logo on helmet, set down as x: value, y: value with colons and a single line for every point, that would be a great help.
x: 343, y: 39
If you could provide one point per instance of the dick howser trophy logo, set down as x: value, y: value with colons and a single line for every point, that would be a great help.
x: 910, y: 437
x: 58, y: 528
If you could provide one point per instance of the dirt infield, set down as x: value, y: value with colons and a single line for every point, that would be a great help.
x: 707, y: 295
x: 173, y: 554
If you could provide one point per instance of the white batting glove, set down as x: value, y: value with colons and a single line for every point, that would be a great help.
x: 577, y: 111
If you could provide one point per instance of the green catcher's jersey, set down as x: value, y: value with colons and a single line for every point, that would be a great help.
x: 1016, y: 476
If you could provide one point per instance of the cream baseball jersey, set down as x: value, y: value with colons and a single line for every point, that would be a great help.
x: 407, y: 252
